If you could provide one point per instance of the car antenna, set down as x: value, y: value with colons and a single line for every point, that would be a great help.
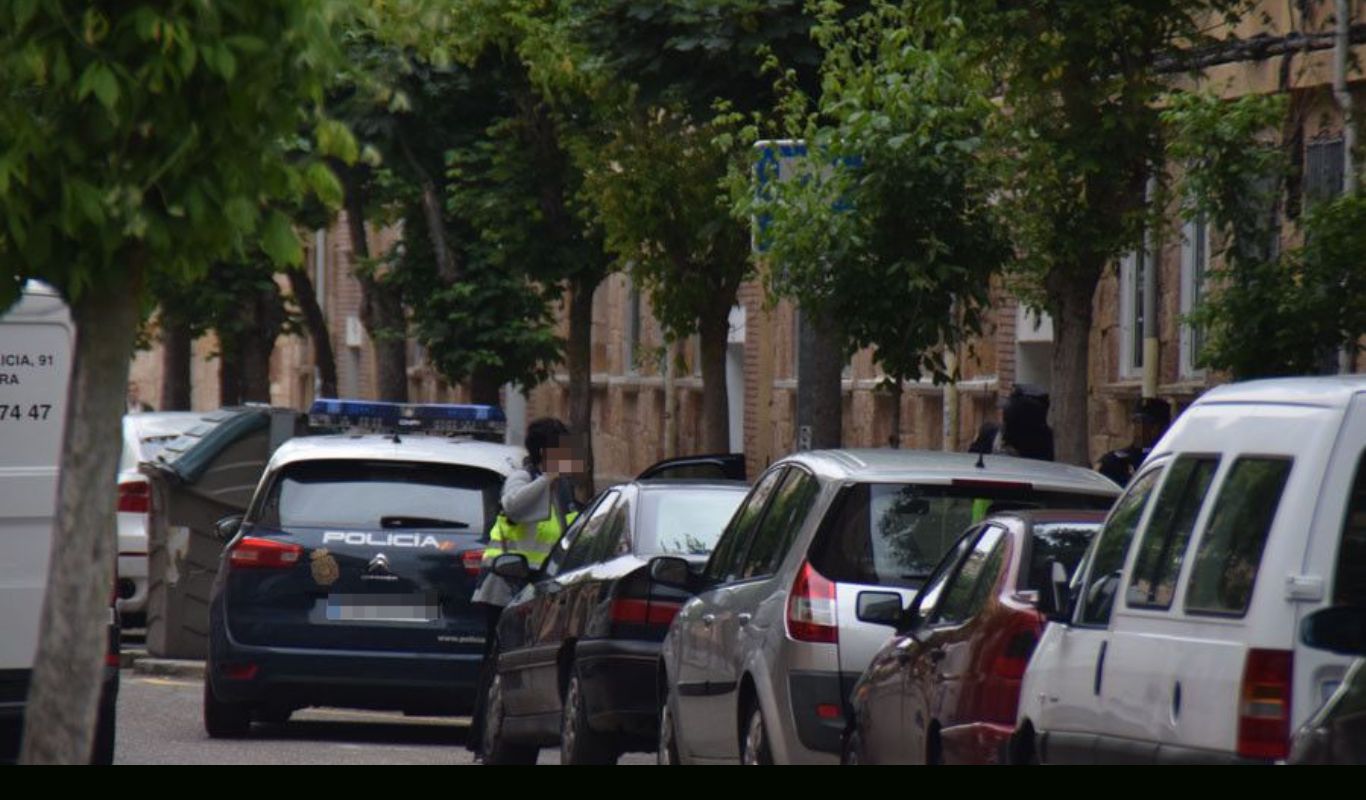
x: 980, y: 463
x: 396, y: 439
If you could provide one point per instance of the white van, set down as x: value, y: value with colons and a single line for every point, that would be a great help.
x: 36, y: 341
x: 1249, y: 515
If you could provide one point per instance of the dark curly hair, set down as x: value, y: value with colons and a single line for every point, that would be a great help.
x: 542, y: 434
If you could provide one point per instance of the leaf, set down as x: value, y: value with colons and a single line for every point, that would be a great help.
x: 23, y: 12
x: 280, y: 242
x: 335, y: 140
x: 99, y: 79
x: 324, y: 184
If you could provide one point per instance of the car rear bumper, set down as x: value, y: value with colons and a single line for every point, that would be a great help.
x: 619, y: 685
x: 975, y: 743
x: 417, y: 683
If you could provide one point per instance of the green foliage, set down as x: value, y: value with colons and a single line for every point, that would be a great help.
x: 1269, y: 312
x: 887, y: 226
x: 142, y: 139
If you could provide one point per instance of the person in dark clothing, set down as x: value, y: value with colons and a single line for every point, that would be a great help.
x: 1152, y: 416
x: 1024, y: 424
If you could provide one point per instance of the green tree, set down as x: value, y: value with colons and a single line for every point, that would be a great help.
x: 1269, y: 311
x: 136, y: 140
x: 1076, y: 136
x: 887, y: 226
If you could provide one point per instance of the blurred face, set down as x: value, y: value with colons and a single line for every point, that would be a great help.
x: 565, y: 457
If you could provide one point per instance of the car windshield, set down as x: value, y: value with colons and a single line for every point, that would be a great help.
x: 380, y: 494
x: 894, y: 534
x: 684, y: 521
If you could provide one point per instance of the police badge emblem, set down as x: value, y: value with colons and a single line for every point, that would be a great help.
x: 325, y: 569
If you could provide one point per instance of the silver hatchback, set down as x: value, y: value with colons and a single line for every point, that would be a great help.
x: 807, y: 581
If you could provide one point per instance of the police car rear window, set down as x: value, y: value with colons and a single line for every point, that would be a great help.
x: 380, y: 495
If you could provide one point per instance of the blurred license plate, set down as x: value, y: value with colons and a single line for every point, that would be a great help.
x: 382, y: 608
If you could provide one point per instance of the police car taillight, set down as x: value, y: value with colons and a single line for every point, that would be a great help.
x: 379, y: 417
x: 254, y: 553
x: 472, y: 560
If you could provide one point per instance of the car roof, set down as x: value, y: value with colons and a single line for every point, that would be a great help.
x: 1327, y: 391
x: 673, y: 484
x: 160, y: 423
x: 932, y: 466
x: 499, y: 458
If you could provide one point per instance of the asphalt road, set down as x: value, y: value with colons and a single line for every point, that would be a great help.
x: 159, y: 723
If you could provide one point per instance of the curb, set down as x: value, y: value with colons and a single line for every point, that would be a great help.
x: 169, y: 667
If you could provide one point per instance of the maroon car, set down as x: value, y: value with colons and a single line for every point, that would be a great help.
x: 945, y: 688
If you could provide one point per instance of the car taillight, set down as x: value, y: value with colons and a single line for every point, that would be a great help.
x: 254, y: 553
x: 135, y: 497
x: 643, y: 611
x: 811, y: 608
x: 1010, y: 663
x: 473, y: 561
x: 1264, y: 709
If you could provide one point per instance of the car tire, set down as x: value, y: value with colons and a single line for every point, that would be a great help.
x: 274, y: 716
x: 1020, y: 749
x: 498, y: 751
x: 851, y: 755
x: 754, y: 747
x: 666, y: 753
x: 580, y: 744
x: 223, y: 720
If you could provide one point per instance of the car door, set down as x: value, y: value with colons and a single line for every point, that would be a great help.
x: 1071, y: 658
x: 531, y: 666
x: 702, y: 694
x: 938, y: 674
x: 1141, y: 699
x: 892, y: 692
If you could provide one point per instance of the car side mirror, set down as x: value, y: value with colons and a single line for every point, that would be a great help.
x: 227, y: 527
x: 1339, y: 629
x: 1060, y: 581
x: 512, y: 566
x: 671, y: 571
x: 879, y: 608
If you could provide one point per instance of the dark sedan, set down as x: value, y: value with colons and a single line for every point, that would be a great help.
x: 578, y: 649
x: 946, y: 687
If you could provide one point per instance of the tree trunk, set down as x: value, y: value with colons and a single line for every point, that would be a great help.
x: 63, y: 697
x: 820, y: 390
x: 268, y: 317
x: 176, y: 351
x: 895, y: 391
x: 1068, y: 411
x: 484, y: 386
x: 230, y: 367
x: 318, y: 333
x: 381, y: 306
x: 713, y: 330
x: 579, y: 355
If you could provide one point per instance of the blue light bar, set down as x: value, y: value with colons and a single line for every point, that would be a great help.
x: 373, y: 415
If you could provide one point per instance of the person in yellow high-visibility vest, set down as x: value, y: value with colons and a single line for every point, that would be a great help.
x: 537, y: 506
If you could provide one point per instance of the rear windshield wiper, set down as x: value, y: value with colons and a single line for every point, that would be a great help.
x: 420, y: 522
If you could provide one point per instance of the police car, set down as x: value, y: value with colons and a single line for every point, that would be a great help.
x: 348, y: 580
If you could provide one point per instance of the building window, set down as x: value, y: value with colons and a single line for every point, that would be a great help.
x: 633, y: 353
x: 1322, y: 171
x: 1194, y: 269
x: 1131, y: 315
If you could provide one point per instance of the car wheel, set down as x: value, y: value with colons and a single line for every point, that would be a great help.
x: 223, y: 720
x: 497, y: 749
x: 274, y: 716
x: 852, y: 754
x: 1020, y: 748
x: 755, y: 748
x: 667, y: 753
x: 580, y: 744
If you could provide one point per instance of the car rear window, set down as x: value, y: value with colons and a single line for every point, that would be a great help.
x: 684, y: 521
x: 1349, y: 585
x: 381, y: 494
x: 892, y: 534
x: 1230, y: 551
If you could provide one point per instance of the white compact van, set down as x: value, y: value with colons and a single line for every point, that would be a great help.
x: 1180, y: 643
x: 36, y: 344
